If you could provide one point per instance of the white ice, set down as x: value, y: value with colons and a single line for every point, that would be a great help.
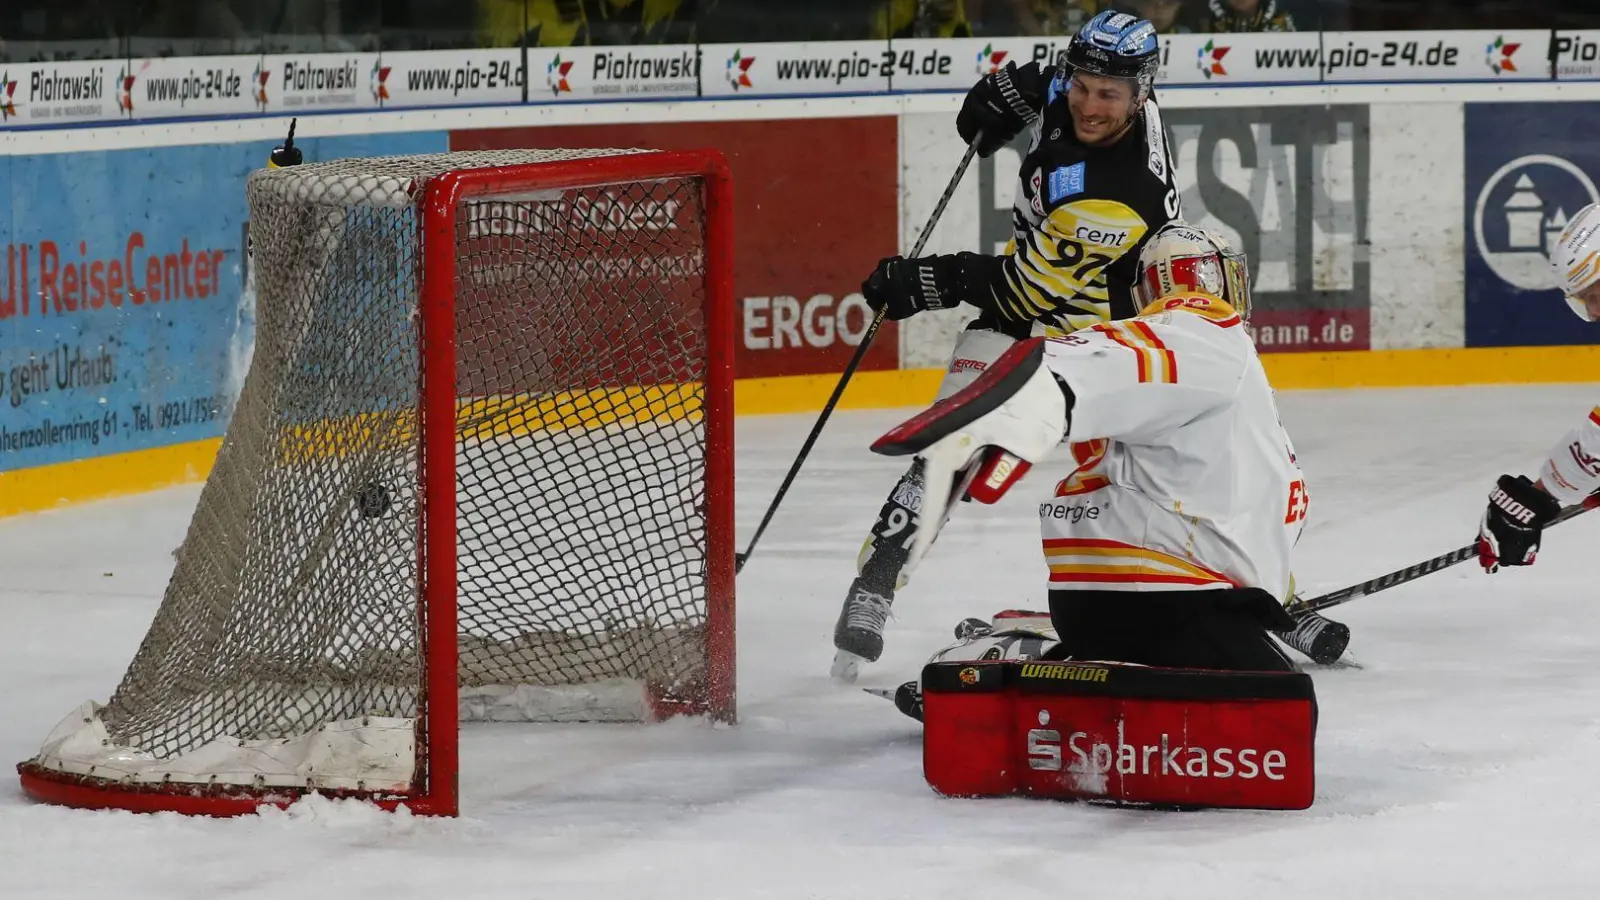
x: 1463, y: 761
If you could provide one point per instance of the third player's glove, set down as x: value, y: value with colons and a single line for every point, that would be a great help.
x: 906, y: 287
x: 1517, y: 513
x: 1000, y: 105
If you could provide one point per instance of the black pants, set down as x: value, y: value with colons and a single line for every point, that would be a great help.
x: 1221, y: 629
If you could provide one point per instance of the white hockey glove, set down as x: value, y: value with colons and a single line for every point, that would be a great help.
x: 983, y: 439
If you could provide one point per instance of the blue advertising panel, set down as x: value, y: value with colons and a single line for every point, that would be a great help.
x: 124, y: 323
x: 1529, y: 167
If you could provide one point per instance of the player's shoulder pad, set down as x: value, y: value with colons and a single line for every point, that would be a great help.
x: 1209, y: 307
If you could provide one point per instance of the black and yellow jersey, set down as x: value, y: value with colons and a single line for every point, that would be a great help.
x: 1080, y: 218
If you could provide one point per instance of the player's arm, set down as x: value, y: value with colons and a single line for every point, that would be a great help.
x: 1057, y: 269
x: 1513, y: 522
x: 1131, y: 380
x: 1572, y: 471
x: 1136, y: 379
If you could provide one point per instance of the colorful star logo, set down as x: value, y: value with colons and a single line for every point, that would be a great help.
x: 1210, y: 59
x: 380, y: 79
x: 556, y: 73
x: 125, y: 80
x: 739, y: 71
x: 8, y: 92
x: 1499, y: 55
x: 990, y: 60
x: 258, y: 85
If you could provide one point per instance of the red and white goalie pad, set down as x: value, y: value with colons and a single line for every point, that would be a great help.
x: 1119, y: 733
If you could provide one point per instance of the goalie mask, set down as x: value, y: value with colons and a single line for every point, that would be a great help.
x: 1575, y: 262
x: 1184, y: 257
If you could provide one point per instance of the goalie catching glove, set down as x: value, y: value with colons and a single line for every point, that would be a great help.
x: 983, y: 439
x: 1509, y: 532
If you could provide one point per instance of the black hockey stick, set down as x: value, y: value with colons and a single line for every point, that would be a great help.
x: 855, y: 360
x: 1409, y: 573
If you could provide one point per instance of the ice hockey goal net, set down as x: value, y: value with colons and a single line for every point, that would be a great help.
x: 481, y: 467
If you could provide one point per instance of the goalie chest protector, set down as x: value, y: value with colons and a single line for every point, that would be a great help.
x: 1119, y: 733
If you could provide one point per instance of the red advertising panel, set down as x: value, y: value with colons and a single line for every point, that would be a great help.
x: 815, y: 208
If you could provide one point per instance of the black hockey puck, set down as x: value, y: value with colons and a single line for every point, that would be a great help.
x: 373, y: 500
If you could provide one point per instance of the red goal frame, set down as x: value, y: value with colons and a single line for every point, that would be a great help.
x: 436, y: 786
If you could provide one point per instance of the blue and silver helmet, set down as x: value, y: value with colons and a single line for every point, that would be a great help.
x: 1116, y: 45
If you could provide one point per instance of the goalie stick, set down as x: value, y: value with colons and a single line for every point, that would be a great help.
x: 1415, y: 571
x: 855, y: 360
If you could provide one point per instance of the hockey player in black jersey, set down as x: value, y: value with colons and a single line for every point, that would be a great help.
x: 1095, y: 183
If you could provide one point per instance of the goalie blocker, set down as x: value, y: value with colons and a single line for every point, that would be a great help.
x: 1119, y: 733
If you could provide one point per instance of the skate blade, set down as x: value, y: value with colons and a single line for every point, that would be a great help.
x: 846, y: 667
x: 885, y: 693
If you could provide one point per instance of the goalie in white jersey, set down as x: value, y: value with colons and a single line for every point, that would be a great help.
x: 1170, y: 544
x: 1509, y: 532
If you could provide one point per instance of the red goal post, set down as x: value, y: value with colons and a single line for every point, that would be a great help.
x: 534, y: 442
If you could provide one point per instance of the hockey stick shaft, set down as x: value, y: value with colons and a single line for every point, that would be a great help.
x: 855, y: 361
x: 1410, y: 573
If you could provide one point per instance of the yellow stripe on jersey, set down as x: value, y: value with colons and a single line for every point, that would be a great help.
x: 1062, y: 263
x: 1128, y: 575
x: 1061, y: 550
x: 1167, y: 360
x: 1156, y: 362
x: 1117, y: 332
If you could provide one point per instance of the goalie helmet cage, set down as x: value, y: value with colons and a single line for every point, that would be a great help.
x: 481, y: 467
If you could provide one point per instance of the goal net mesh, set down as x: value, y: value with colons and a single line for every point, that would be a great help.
x: 580, y: 471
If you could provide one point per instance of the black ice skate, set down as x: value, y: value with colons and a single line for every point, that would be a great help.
x: 1318, y: 637
x: 858, y: 635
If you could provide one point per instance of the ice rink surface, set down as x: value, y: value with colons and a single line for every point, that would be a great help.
x: 1462, y: 761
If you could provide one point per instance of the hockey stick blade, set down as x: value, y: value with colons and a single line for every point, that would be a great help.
x: 855, y: 361
x: 1414, y: 571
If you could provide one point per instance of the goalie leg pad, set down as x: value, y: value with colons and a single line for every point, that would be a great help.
x: 1119, y: 733
x: 1215, y: 629
x: 975, y: 351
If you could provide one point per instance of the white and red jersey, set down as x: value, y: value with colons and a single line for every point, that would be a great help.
x: 1572, y: 471
x: 1186, y: 478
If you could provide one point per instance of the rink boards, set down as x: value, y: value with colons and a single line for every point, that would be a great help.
x: 1396, y: 234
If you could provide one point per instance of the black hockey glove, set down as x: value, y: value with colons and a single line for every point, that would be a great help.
x: 906, y: 287
x: 1509, y: 533
x: 1001, y: 105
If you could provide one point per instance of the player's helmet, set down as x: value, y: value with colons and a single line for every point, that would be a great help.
x: 1575, y: 258
x: 1117, y: 45
x: 1180, y: 256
